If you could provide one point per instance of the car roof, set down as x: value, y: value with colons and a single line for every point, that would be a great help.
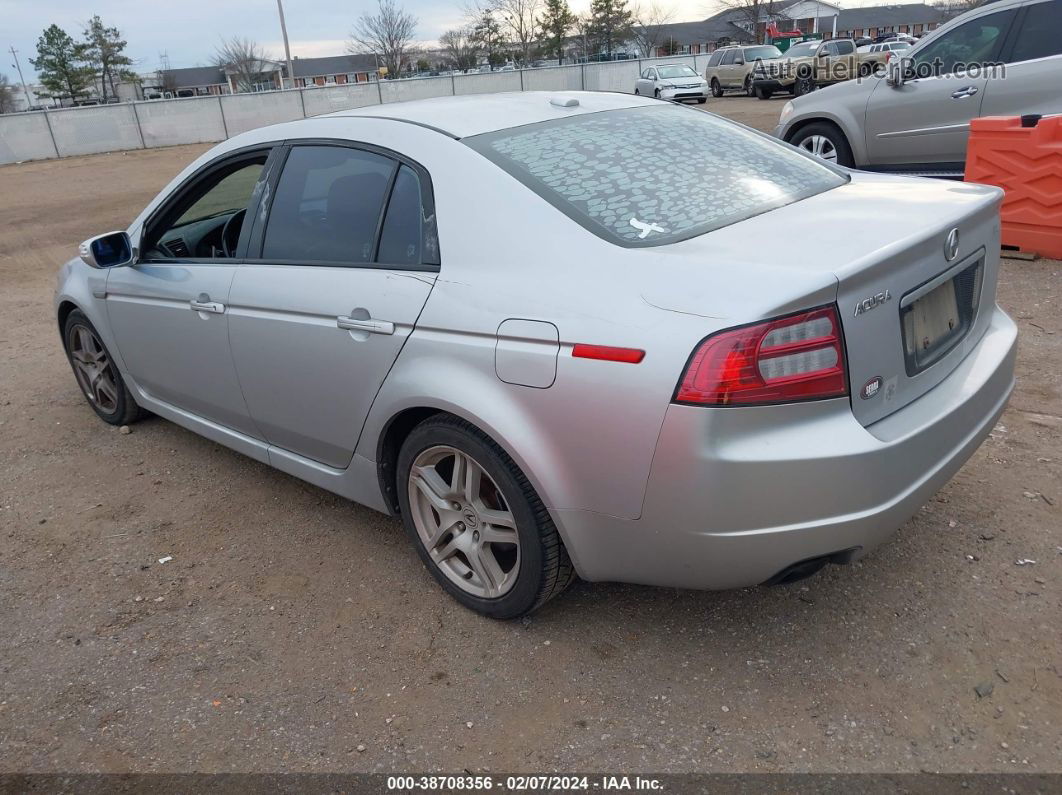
x: 473, y: 114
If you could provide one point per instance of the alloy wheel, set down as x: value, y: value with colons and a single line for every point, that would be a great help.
x: 464, y: 522
x: 94, y: 369
x: 820, y: 146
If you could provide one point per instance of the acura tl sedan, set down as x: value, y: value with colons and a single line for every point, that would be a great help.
x: 621, y: 371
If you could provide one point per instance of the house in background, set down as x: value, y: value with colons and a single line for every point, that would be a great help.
x: 912, y: 19
x: 334, y: 70
x: 694, y: 38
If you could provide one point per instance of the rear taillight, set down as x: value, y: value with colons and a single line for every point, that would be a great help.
x: 791, y: 358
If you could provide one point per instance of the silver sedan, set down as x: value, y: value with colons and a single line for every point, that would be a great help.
x: 620, y: 370
x: 677, y: 82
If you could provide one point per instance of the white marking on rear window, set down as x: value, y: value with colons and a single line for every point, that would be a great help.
x: 646, y: 228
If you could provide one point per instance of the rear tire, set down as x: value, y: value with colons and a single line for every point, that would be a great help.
x: 764, y: 93
x: 499, y: 578
x: 717, y: 90
x: 96, y: 373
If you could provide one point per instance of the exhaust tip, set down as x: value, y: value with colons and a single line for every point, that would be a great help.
x: 803, y: 569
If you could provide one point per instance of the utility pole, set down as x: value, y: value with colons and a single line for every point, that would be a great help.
x: 18, y: 66
x: 287, y: 49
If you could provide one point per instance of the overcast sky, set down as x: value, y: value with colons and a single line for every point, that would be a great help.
x: 188, y: 31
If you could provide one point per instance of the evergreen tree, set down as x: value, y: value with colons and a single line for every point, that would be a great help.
x: 103, y: 52
x: 611, y: 22
x: 487, y: 35
x: 59, y: 65
x: 555, y: 23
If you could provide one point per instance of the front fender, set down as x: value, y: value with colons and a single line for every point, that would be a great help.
x: 85, y: 288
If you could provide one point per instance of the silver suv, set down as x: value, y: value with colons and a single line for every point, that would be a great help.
x: 917, y: 118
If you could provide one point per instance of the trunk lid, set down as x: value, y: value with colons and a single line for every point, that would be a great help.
x: 877, y: 246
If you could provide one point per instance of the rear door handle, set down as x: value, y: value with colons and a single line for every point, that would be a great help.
x: 369, y: 325
x: 204, y: 304
x: 962, y: 93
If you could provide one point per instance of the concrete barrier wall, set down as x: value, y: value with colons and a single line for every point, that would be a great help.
x: 25, y: 136
x: 135, y: 125
x: 194, y: 120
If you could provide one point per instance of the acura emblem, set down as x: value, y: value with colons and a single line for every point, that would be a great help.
x: 951, y: 245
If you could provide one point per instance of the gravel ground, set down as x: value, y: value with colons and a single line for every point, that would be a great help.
x: 293, y: 630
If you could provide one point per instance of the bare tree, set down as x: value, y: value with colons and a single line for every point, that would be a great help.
x: 649, y: 18
x: 7, y: 95
x: 388, y: 34
x: 520, y: 17
x: 244, y: 59
x: 583, y: 28
x: 459, y: 47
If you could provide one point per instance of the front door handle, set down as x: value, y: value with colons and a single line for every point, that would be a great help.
x: 204, y: 304
x: 962, y: 93
x: 368, y: 324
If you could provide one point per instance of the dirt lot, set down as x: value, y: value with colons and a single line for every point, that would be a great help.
x: 295, y: 631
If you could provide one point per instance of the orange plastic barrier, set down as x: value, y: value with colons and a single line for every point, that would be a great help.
x: 1022, y: 155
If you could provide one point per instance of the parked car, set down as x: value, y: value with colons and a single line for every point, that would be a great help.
x: 877, y: 56
x: 917, y: 118
x: 672, y: 81
x: 653, y: 387
x: 730, y: 68
x: 805, y: 67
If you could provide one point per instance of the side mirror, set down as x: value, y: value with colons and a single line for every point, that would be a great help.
x: 111, y: 250
x: 895, y: 75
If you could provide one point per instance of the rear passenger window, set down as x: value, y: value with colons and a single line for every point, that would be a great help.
x: 327, y: 206
x: 1041, y: 32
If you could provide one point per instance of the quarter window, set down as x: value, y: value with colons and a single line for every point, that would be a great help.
x: 402, y: 239
x: 1040, y: 35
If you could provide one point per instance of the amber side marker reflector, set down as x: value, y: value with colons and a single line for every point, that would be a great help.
x: 607, y: 353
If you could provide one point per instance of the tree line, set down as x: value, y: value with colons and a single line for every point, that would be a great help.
x: 509, y: 31
x: 73, y: 68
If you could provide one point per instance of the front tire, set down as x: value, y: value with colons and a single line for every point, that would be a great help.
x: 747, y: 88
x: 476, y: 521
x: 96, y: 373
x: 764, y: 93
x: 717, y: 90
x: 824, y: 141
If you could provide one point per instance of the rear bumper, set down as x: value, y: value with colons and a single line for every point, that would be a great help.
x: 737, y: 495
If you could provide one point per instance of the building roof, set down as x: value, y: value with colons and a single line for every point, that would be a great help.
x: 193, y: 76
x: 333, y: 65
x: 887, y: 16
x: 712, y: 29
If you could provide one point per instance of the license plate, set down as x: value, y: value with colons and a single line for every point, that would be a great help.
x: 935, y: 322
x: 933, y: 318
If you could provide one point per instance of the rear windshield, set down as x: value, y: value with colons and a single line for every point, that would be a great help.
x: 768, y: 51
x: 653, y: 175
